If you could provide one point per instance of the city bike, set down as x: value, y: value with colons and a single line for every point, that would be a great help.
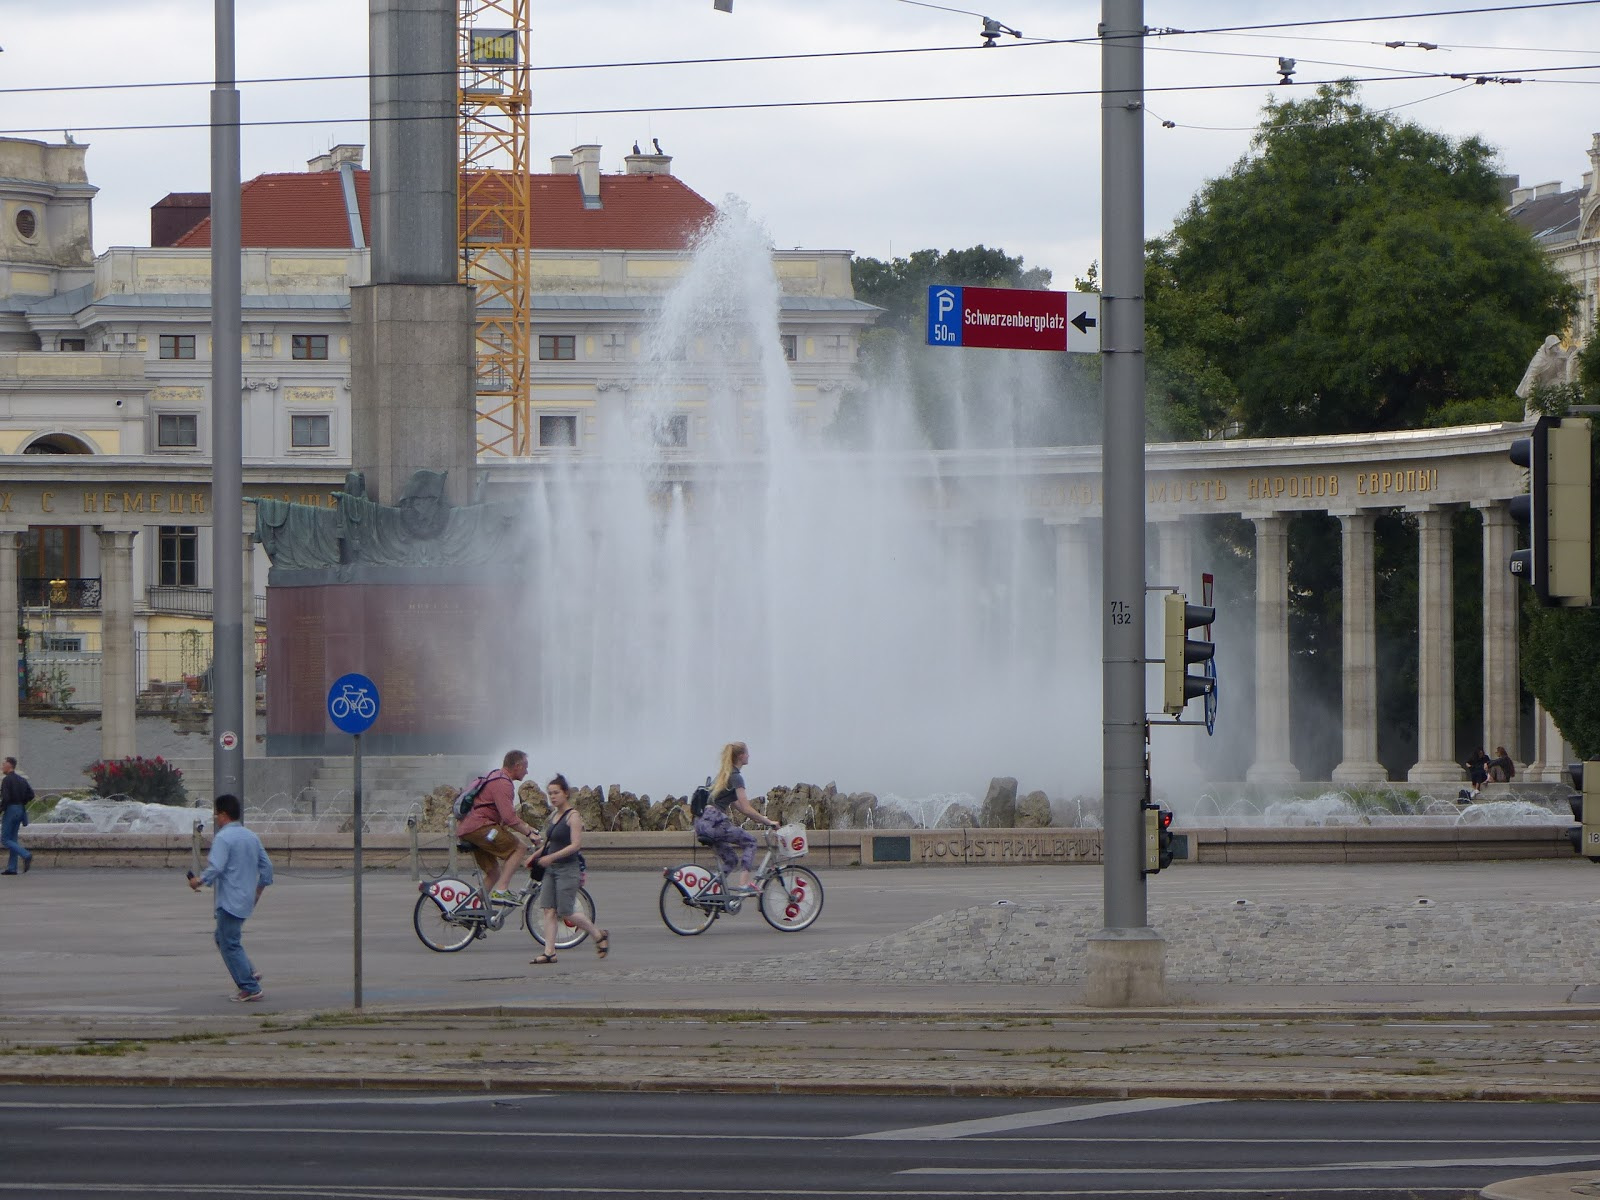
x: 451, y: 914
x: 788, y: 895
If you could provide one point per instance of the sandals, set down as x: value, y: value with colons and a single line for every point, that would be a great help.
x: 602, y: 944
x: 541, y: 960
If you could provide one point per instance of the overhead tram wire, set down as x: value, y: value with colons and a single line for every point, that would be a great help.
x: 1411, y: 16
x: 1236, y: 31
x: 1509, y: 76
x: 1170, y: 124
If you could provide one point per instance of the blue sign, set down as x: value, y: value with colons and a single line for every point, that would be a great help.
x: 353, y: 703
x: 944, y: 315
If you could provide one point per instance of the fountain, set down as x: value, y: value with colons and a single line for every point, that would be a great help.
x: 802, y: 599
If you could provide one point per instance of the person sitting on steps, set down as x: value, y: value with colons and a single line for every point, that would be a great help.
x: 492, y: 825
x: 735, y: 847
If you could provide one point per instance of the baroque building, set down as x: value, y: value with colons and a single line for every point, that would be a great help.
x: 1566, y: 225
x: 105, y: 367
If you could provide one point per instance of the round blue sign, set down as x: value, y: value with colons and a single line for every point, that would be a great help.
x: 353, y: 703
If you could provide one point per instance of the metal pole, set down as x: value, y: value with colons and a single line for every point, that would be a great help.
x: 227, y: 451
x: 355, y: 806
x: 1122, y: 453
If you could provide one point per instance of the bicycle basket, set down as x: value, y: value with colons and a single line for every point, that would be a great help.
x: 793, y: 841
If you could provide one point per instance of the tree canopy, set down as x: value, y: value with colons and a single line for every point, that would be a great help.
x: 1353, y: 273
x: 900, y: 286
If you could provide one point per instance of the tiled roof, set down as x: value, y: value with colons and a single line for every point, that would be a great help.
x: 304, y: 210
x: 637, y: 212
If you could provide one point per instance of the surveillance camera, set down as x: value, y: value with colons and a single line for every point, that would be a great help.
x: 119, y: 403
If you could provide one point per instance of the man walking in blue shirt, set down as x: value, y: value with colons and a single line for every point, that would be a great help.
x: 240, y: 871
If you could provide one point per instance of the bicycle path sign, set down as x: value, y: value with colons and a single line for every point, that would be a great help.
x: 353, y: 703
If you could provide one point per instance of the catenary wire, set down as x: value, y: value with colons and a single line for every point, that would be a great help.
x: 1484, y: 76
x: 1169, y: 124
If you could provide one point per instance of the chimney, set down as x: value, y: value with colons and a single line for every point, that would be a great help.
x: 561, y: 164
x: 175, y: 214
x: 586, y: 162
x: 347, y: 152
x: 1520, y: 195
x: 1541, y: 190
x: 648, y: 164
x: 321, y: 163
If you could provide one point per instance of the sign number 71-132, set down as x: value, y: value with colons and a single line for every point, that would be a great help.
x: 1120, y: 613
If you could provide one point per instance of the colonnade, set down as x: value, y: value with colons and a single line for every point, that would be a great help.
x: 1271, y: 764
x: 119, y: 683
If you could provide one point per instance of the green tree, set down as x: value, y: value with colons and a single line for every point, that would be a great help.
x: 1352, y: 273
x: 900, y: 286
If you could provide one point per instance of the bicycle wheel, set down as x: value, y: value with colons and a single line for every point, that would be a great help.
x: 792, y: 899
x: 568, y: 935
x: 441, y: 932
x: 682, y: 917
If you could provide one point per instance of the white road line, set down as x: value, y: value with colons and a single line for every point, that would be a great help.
x: 326, y: 1192
x: 1417, y: 1164
x: 1026, y: 1120
x: 353, y: 1099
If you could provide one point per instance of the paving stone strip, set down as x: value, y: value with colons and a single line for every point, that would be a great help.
x: 1318, y: 1057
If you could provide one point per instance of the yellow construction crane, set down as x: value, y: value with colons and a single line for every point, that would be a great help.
x: 495, y: 227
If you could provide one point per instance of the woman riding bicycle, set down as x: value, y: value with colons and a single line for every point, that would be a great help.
x: 735, y: 847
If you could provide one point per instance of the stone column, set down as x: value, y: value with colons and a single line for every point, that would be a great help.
x: 1359, y: 766
x: 1078, y: 594
x: 1436, y: 665
x: 10, y: 721
x: 1501, y: 686
x: 118, y: 688
x: 1551, y: 752
x: 247, y: 727
x: 1272, y: 765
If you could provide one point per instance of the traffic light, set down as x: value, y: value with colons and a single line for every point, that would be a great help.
x: 1585, y: 836
x: 1158, y: 838
x: 1181, y: 651
x: 1558, y: 561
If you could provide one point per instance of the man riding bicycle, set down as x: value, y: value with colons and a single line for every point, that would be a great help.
x: 735, y: 847
x: 489, y: 827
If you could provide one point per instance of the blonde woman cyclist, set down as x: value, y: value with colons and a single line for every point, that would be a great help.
x: 735, y: 847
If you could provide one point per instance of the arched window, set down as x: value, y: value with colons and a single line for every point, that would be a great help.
x: 57, y: 443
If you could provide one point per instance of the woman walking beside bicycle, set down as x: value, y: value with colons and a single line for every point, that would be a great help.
x: 559, y: 848
x: 735, y: 847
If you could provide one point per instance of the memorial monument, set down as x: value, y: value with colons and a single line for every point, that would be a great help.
x: 399, y: 577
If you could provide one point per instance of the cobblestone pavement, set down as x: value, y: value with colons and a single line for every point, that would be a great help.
x: 1331, y: 981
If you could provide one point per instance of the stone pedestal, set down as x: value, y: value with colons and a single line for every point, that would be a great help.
x: 412, y: 403
x: 1126, y: 968
x: 447, y: 675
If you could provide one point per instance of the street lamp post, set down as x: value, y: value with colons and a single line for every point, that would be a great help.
x: 227, y: 454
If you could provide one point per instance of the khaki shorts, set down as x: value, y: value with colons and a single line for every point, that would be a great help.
x: 492, y: 845
x: 559, y: 889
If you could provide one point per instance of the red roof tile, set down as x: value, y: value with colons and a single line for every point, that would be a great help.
x: 304, y: 210
x: 638, y: 212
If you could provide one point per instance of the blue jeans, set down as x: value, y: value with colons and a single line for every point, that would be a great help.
x: 10, y: 825
x: 229, y: 930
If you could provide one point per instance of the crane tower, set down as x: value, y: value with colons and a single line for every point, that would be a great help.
x: 495, y: 225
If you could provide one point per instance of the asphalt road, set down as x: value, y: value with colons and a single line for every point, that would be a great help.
x: 198, y: 1143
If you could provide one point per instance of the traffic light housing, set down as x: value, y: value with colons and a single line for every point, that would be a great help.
x: 1180, y: 652
x: 1558, y: 561
x: 1158, y: 838
x: 1585, y: 836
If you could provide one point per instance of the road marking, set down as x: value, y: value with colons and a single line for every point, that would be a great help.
x: 479, y: 1098
x: 1027, y: 1120
x: 1416, y: 1164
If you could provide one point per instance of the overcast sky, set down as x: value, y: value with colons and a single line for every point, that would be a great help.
x: 878, y: 179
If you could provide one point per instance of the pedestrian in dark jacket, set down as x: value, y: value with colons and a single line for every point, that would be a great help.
x: 16, y: 793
